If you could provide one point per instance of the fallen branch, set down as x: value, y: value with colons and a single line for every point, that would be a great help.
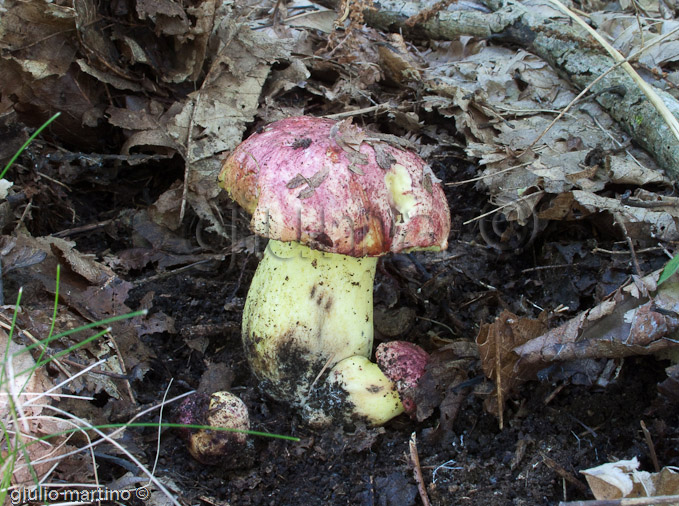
x: 564, y: 46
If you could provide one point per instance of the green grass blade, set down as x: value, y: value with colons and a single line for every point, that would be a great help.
x: 99, y: 323
x: 168, y: 425
x: 671, y: 267
x: 30, y: 139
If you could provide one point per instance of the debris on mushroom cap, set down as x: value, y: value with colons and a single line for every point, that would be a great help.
x: 221, y: 409
x: 404, y: 364
x: 337, y: 188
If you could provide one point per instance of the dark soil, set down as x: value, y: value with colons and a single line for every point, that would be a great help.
x: 552, y: 430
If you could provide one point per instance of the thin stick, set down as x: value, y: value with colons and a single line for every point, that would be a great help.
x: 493, y: 211
x: 558, y: 468
x: 620, y: 221
x: 651, y: 446
x: 417, y: 470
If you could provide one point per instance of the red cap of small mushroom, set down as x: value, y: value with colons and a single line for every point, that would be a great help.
x: 337, y: 188
x: 404, y: 364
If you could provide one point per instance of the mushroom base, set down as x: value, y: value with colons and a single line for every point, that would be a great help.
x: 306, y: 311
x: 355, y: 391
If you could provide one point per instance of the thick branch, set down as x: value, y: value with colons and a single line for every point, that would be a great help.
x: 565, y: 47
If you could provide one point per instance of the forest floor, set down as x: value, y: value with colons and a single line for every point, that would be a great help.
x: 120, y: 192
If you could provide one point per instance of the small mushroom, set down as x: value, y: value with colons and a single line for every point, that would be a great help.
x: 404, y: 364
x: 223, y: 410
x: 331, y: 197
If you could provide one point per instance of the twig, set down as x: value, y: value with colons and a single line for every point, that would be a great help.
x: 484, y: 176
x: 167, y: 274
x: 379, y: 108
x: 83, y: 228
x: 417, y: 470
x: 426, y: 14
x: 498, y: 380
x: 613, y: 252
x: 520, y: 199
x: 651, y: 446
x: 554, y: 465
x: 121, y: 363
x: 548, y: 267
x: 619, y: 220
x: 187, y: 161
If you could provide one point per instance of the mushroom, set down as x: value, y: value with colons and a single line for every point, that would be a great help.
x: 332, y: 198
x: 224, y: 410
x: 404, y: 364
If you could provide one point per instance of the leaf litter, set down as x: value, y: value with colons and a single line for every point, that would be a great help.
x: 183, y: 84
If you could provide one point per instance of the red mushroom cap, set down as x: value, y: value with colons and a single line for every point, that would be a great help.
x: 404, y: 364
x: 337, y: 188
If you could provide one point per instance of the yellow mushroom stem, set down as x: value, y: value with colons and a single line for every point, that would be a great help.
x: 306, y: 311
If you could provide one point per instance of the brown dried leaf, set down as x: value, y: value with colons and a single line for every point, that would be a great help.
x: 319, y: 177
x: 313, y: 182
x: 88, y: 292
x: 18, y: 257
x: 306, y: 192
x: 383, y: 157
x: 169, y: 17
x: 500, y: 362
x: 392, y: 140
x: 670, y: 387
x: 426, y: 182
x: 318, y: 19
x: 441, y: 386
x: 616, y: 480
x: 131, y: 120
x: 347, y: 136
x: 296, y: 182
x: 356, y: 170
x: 37, y: 37
x: 397, y: 62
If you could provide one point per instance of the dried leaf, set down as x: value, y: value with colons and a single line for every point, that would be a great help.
x: 397, y: 62
x: 347, y: 136
x: 442, y: 383
x: 427, y: 183
x: 296, y: 182
x: 616, y: 480
x: 319, y: 177
x: 393, y: 140
x: 500, y: 362
x: 306, y: 192
x: 383, y: 157
x: 320, y: 19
